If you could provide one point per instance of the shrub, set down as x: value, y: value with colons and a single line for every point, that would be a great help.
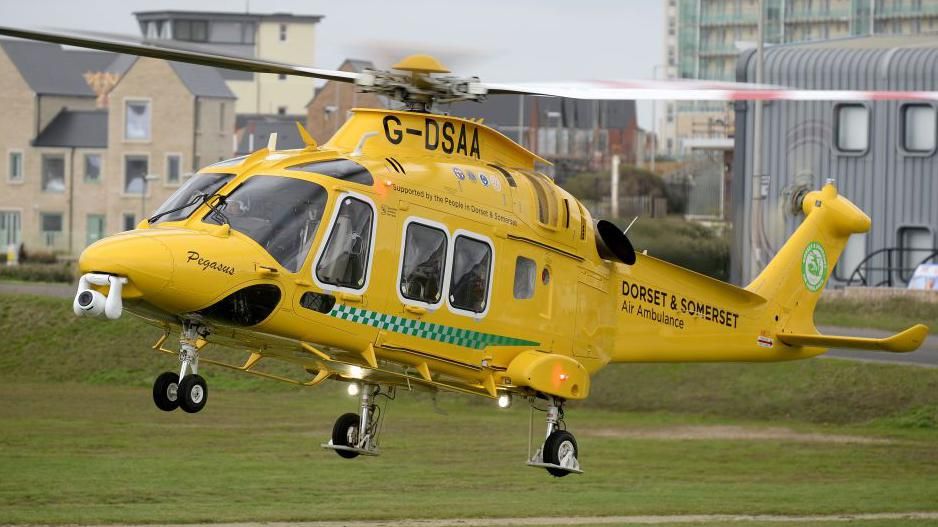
x: 683, y: 243
x: 38, y: 272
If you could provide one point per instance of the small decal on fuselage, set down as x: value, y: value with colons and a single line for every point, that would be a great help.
x: 205, y: 263
x: 814, y: 266
x: 765, y: 342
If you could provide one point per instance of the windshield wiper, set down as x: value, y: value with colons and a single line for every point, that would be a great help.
x: 216, y: 208
x: 194, y: 201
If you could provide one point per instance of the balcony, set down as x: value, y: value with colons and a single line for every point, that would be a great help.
x: 905, y: 11
x: 723, y: 19
x: 815, y: 17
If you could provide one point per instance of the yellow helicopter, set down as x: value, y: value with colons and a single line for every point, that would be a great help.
x: 419, y: 251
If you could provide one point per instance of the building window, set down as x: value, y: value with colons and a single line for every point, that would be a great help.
x: 915, y: 244
x: 135, y: 174
x: 10, y: 226
x: 472, y: 264
x: 53, y: 173
x: 15, y: 167
x: 344, y: 261
x: 173, y: 168
x: 137, y: 120
x: 130, y: 221
x: 282, y: 76
x: 525, y: 277
x: 423, y: 264
x: 190, y: 30
x: 226, y: 32
x: 283, y: 32
x: 50, y: 225
x: 852, y: 128
x: 94, y: 230
x: 918, y: 128
x: 281, y: 110
x: 92, y: 168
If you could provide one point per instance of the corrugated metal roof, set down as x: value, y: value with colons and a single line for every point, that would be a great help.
x: 502, y: 110
x: 75, y: 128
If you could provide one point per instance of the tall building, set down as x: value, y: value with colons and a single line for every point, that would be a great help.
x: 704, y: 37
x: 279, y: 37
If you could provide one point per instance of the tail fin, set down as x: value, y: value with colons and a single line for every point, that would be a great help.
x: 794, y: 279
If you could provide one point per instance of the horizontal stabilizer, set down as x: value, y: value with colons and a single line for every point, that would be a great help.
x: 908, y: 340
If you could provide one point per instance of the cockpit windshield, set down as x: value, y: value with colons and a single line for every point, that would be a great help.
x: 185, y: 200
x: 281, y: 214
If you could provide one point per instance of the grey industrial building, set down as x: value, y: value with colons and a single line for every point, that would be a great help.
x: 882, y: 155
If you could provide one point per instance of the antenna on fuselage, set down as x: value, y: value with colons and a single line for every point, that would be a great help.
x: 272, y: 142
x: 626, y: 231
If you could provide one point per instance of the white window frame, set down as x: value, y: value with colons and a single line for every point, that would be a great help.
x: 450, y: 251
x: 901, y: 136
x: 22, y: 178
x: 166, y: 181
x: 146, y: 186
x: 84, y: 168
x: 446, y: 263
x: 835, y: 140
x: 21, y: 213
x: 66, y: 167
x: 44, y: 234
x: 125, y: 102
x: 336, y: 206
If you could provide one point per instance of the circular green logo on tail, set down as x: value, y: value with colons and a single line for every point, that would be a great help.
x: 814, y: 266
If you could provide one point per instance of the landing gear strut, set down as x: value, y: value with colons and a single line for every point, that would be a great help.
x: 558, y: 454
x: 354, y: 435
x: 189, y: 392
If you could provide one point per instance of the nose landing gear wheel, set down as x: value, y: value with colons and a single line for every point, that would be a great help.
x: 193, y: 393
x: 345, y: 433
x: 559, y: 449
x: 166, y: 391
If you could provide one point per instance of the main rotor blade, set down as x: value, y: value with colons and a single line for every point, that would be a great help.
x: 164, y: 50
x: 680, y: 90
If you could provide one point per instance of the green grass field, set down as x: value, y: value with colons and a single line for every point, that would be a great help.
x: 891, y: 314
x: 80, y: 441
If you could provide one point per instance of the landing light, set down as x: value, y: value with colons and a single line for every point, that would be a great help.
x: 564, y: 376
x: 353, y: 389
x: 504, y: 400
x: 355, y: 372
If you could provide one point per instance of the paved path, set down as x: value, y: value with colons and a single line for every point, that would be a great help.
x: 908, y: 518
x: 927, y: 355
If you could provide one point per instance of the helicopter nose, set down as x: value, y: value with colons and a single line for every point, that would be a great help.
x: 144, y: 260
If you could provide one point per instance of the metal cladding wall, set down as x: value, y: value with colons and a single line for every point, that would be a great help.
x: 898, y: 189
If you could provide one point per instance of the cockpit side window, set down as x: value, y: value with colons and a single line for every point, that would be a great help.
x: 423, y: 263
x: 472, y: 265
x: 185, y: 200
x: 344, y: 259
x: 344, y: 169
x: 281, y: 214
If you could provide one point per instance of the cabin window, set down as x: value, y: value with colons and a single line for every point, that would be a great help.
x: 423, y: 263
x: 281, y: 214
x: 344, y: 260
x: 525, y: 276
x: 469, y: 284
x: 344, y: 169
x: 189, y: 196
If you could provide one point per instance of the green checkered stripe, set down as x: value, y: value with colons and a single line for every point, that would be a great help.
x: 426, y: 330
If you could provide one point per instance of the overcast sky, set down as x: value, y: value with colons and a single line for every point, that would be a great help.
x: 498, y: 40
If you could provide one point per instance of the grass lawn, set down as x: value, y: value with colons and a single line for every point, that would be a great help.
x: 80, y: 440
x: 80, y: 453
x: 892, y: 314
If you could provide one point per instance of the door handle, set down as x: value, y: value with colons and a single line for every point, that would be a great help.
x: 417, y: 310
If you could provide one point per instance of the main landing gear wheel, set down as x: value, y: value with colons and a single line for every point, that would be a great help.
x: 345, y: 433
x: 193, y: 393
x: 166, y: 391
x: 560, y: 449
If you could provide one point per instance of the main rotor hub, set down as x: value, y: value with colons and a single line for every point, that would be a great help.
x: 422, y: 86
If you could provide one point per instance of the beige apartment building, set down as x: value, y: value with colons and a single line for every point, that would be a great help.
x: 79, y: 165
x: 703, y: 39
x: 279, y: 37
